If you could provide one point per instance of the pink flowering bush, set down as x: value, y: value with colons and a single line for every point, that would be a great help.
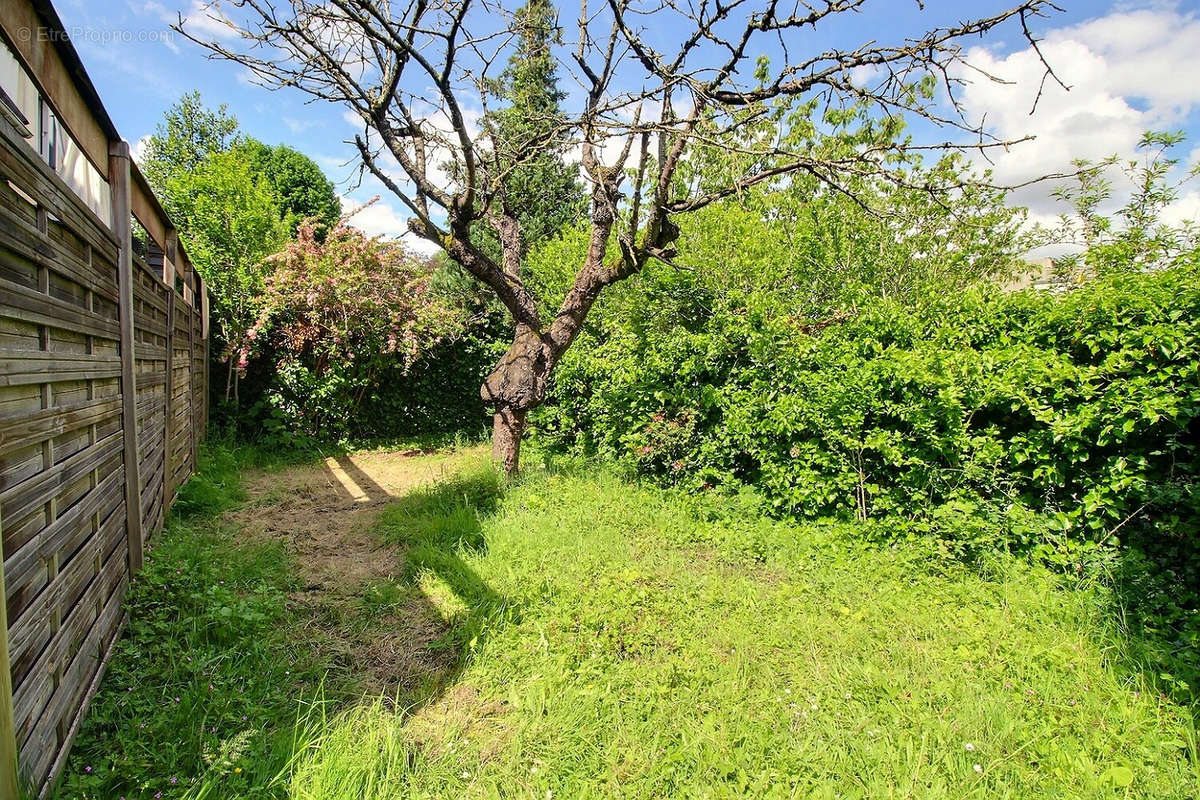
x: 336, y: 316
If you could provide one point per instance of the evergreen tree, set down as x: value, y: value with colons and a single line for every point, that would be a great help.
x: 529, y: 132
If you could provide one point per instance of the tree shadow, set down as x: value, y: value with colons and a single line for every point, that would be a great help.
x: 411, y: 635
x: 303, y: 597
x: 351, y: 483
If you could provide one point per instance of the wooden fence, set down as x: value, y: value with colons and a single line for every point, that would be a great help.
x: 103, y: 387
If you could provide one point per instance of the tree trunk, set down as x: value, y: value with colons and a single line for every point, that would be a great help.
x: 514, y: 388
x: 508, y: 424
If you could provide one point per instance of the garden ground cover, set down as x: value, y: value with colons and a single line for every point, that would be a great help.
x: 380, y: 625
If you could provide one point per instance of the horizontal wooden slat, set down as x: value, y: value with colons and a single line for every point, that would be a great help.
x: 41, y: 250
x: 150, y: 353
x: 29, y: 704
x: 42, y: 647
x: 30, y: 305
x: 20, y: 367
x: 147, y: 295
x: 17, y: 565
x: 25, y: 429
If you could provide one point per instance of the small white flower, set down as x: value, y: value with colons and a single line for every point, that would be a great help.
x: 970, y: 748
x: 466, y: 775
x: 978, y: 768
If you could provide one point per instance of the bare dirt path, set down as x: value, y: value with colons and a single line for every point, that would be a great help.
x: 362, y: 617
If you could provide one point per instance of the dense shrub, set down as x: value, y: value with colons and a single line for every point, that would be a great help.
x: 344, y: 318
x: 439, y: 392
x: 1079, y: 408
x: 1061, y: 426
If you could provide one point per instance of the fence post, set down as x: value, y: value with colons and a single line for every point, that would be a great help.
x: 192, y: 372
x: 169, y: 401
x: 119, y: 181
x: 202, y: 300
x: 168, y: 277
x: 8, y: 732
x: 170, y: 248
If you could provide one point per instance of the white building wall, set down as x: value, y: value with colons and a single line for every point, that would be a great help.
x: 52, y: 140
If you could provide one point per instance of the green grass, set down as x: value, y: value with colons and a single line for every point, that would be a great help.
x: 615, y: 645
x: 205, y: 679
x: 605, y: 640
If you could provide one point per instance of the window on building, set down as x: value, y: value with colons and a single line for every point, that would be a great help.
x: 49, y: 136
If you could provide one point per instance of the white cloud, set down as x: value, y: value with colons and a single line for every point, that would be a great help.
x: 150, y: 8
x: 382, y: 219
x: 1186, y: 208
x: 248, y: 77
x: 138, y: 151
x: 1129, y: 72
x: 158, y: 11
x: 298, y: 126
x: 204, y: 18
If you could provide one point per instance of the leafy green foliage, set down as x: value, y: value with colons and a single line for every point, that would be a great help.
x: 231, y: 221
x: 301, y: 187
x: 902, y: 233
x: 1079, y: 406
x: 439, y: 392
x: 235, y: 201
x: 1060, y: 426
x: 337, y: 313
x: 189, y: 133
x: 1134, y: 237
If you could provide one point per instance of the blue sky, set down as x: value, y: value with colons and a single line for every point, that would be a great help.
x: 1132, y: 66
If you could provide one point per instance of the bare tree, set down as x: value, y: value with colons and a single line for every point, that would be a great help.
x: 657, y: 81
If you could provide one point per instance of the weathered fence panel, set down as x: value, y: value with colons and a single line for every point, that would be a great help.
x: 103, y: 387
x: 62, y: 516
x: 151, y: 314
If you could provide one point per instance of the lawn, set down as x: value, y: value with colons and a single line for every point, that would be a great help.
x: 573, y: 635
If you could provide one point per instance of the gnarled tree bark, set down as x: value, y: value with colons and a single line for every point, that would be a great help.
x: 515, y: 387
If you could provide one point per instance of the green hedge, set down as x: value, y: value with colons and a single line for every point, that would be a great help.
x: 1017, y: 421
x: 436, y: 394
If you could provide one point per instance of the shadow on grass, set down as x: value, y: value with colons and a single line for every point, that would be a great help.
x: 231, y: 654
x: 389, y: 636
x: 439, y: 529
x: 1159, y: 623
